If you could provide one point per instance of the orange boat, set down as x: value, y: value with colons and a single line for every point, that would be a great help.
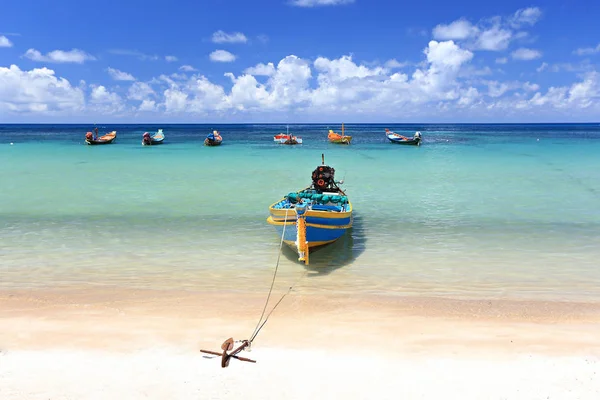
x: 337, y: 138
x: 104, y: 139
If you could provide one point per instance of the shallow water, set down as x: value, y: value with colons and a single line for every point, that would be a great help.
x: 477, y: 210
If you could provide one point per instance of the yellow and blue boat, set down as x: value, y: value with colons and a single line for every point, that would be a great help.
x: 315, y: 216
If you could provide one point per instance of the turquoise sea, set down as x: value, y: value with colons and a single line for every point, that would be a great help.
x: 477, y: 211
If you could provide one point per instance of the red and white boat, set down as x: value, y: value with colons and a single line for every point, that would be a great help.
x: 286, y: 138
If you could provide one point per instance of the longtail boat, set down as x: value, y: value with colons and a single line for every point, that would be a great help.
x: 315, y: 216
x: 337, y: 138
x: 104, y: 139
x: 400, y: 139
x: 213, y: 139
x: 149, y: 140
x: 286, y: 138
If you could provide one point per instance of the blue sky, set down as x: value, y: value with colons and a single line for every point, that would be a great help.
x: 299, y: 61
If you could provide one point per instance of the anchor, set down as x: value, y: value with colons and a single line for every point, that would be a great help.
x: 226, y: 357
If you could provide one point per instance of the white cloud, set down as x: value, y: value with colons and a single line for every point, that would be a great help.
x: 4, y: 42
x: 526, y: 54
x: 147, y: 106
x: 497, y: 89
x: 468, y: 97
x: 501, y: 60
x: 447, y: 54
x: 586, y: 51
x: 222, y: 56
x: 531, y: 87
x: 315, y: 3
x: 234, y: 37
x: 491, y: 34
x: 196, y: 95
x: 526, y: 16
x: 140, y: 91
x: 578, y: 96
x: 38, y: 91
x: 494, y: 39
x: 187, y: 68
x: 170, y: 58
x: 542, y: 67
x: 104, y: 101
x: 344, y: 68
x: 120, y: 75
x: 393, y: 63
x: 459, y: 29
x: 438, y: 85
x: 261, y: 70
x: 59, y: 56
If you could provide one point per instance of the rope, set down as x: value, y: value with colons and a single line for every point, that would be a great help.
x: 275, y: 306
x: 258, y: 325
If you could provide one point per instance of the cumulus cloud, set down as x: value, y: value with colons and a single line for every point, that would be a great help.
x: 196, y: 95
x: 59, y: 56
x: 170, y: 58
x: 4, y: 42
x: 118, y: 75
x: 316, y: 3
x: 526, y: 54
x: 104, y: 101
x: 494, y: 39
x: 261, y: 70
x: 140, y: 91
x: 459, y: 29
x: 490, y: 34
x: 147, y: 106
x: 501, y: 60
x: 222, y: 56
x: 234, y: 37
x: 38, y: 91
x: 442, y: 82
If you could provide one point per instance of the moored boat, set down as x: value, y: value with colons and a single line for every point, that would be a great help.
x: 213, y: 139
x: 334, y: 137
x: 149, y: 140
x: 291, y: 140
x: 315, y: 216
x: 400, y: 139
x: 286, y: 138
x: 104, y: 139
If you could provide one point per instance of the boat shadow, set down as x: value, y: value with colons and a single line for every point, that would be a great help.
x: 326, y: 259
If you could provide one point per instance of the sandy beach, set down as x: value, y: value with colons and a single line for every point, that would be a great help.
x: 97, y: 343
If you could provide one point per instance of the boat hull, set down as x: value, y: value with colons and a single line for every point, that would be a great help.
x: 209, y: 142
x: 105, y: 139
x: 339, y: 139
x: 287, y: 139
x: 344, y: 140
x: 322, y: 227
x: 407, y: 142
x: 152, y: 142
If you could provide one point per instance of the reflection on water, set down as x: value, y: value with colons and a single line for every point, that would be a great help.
x: 326, y: 259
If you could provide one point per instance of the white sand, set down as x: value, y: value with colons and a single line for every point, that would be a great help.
x: 83, y: 344
x: 170, y: 373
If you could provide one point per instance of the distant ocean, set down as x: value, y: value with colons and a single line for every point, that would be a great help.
x: 494, y: 211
